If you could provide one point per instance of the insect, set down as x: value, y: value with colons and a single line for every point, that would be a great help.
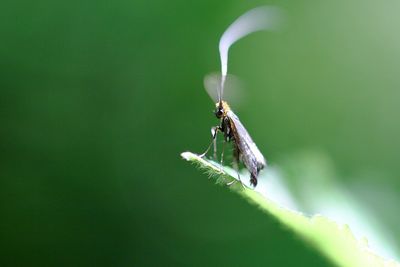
x: 244, y: 148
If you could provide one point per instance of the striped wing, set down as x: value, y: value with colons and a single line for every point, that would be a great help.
x: 250, y: 154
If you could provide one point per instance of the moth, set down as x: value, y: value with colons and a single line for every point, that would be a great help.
x: 244, y: 148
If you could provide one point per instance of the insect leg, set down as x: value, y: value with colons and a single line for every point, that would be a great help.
x: 236, y: 155
x: 222, y: 155
x: 214, y: 131
x: 235, y: 164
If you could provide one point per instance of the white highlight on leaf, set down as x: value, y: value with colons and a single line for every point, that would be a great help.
x: 257, y: 19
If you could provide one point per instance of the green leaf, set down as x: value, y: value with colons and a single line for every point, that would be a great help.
x: 331, y: 239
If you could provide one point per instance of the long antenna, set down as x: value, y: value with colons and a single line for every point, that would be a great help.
x: 257, y: 19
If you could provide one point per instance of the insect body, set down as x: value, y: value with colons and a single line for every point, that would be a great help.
x: 244, y: 149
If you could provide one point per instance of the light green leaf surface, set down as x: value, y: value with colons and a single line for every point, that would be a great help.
x: 335, y: 241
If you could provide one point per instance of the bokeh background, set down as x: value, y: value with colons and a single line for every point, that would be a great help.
x: 99, y: 98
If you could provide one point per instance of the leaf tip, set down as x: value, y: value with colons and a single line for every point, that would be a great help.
x: 186, y: 155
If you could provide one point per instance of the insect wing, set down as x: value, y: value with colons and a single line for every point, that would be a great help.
x: 252, y: 156
x: 212, y: 84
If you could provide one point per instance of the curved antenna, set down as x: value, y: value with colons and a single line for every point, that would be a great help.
x: 257, y: 19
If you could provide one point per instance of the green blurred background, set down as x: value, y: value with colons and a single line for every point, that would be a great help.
x: 98, y: 99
